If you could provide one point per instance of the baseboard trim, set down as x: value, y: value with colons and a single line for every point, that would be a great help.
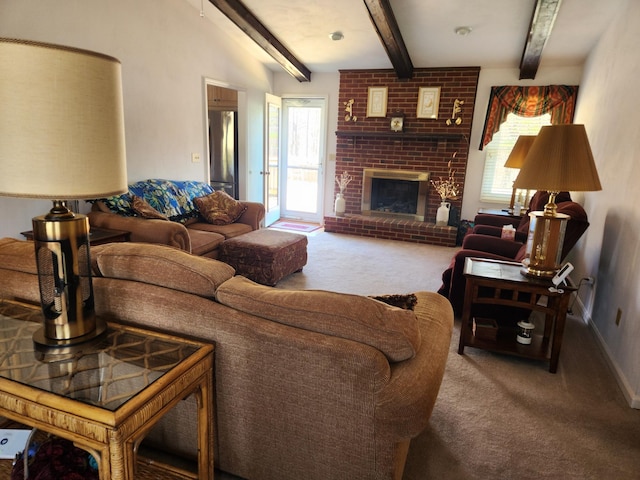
x: 629, y: 395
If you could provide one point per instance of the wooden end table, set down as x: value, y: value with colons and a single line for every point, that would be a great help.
x: 97, y: 236
x: 501, y: 213
x: 492, y: 282
x: 106, y: 395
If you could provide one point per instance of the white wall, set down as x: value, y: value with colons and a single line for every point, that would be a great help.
x: 609, y: 108
x: 166, y: 50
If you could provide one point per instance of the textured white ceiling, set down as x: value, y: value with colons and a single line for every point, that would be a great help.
x: 497, y: 40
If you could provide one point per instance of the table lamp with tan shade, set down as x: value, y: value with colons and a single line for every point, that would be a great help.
x: 61, y: 138
x: 516, y: 160
x: 560, y: 159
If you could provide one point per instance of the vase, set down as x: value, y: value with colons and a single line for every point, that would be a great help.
x: 442, y: 215
x: 340, y: 205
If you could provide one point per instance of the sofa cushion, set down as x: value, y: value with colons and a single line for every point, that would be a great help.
x: 141, y: 262
x: 219, y: 208
x: 231, y: 230
x: 203, y: 243
x: 391, y: 330
x: 143, y: 209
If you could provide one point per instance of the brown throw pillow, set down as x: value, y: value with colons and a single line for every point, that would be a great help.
x: 142, y: 208
x: 219, y: 208
x: 406, y: 302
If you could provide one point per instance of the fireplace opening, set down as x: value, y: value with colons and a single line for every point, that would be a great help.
x: 395, y: 196
x: 395, y: 193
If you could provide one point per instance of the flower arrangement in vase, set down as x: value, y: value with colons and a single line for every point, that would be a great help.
x: 342, y: 181
x: 448, y: 189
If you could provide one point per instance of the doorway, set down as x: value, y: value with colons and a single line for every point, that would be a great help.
x: 222, y: 132
x: 303, y: 151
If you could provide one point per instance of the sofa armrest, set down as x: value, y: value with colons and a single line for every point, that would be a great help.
x: 406, y: 402
x: 144, y: 230
x: 253, y: 215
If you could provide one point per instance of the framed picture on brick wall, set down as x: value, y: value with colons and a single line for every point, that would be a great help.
x: 377, y: 102
x: 428, y: 102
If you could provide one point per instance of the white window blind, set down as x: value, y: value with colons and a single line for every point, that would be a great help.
x: 497, y: 181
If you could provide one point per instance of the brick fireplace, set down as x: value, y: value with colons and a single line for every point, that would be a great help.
x: 424, y: 147
x: 398, y: 194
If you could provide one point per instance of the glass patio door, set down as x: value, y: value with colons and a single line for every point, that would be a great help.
x: 304, y: 139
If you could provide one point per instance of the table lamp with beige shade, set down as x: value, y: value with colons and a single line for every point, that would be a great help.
x: 516, y: 160
x: 560, y: 159
x: 61, y: 138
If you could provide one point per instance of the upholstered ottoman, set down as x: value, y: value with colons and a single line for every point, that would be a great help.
x: 265, y: 256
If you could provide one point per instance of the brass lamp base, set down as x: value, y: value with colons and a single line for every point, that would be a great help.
x: 544, y: 243
x: 61, y: 240
x: 60, y: 346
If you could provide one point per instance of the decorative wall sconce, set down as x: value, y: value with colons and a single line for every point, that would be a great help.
x: 457, y: 108
x: 350, y: 117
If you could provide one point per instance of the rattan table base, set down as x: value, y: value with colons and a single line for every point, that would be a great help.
x: 105, y: 397
x: 143, y: 472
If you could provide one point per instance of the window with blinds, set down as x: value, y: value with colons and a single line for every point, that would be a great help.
x: 497, y: 181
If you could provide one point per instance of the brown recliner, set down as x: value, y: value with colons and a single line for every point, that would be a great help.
x: 488, y: 246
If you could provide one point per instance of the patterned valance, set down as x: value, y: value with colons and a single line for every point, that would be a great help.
x: 559, y: 100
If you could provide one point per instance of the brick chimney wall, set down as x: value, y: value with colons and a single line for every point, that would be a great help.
x: 403, y: 151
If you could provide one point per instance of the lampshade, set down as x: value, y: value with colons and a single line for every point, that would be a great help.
x: 61, y: 122
x: 516, y: 160
x: 61, y: 138
x: 559, y: 159
x: 520, y: 151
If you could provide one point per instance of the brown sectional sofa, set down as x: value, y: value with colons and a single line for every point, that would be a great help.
x: 308, y: 384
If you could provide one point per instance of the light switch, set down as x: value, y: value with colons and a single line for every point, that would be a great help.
x: 195, y: 158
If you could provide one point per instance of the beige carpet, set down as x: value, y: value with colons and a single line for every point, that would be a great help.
x: 497, y: 417
x: 369, y: 266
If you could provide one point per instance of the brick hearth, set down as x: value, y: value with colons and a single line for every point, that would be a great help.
x: 391, y: 229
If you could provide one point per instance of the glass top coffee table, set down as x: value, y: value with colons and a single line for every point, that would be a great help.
x: 105, y: 395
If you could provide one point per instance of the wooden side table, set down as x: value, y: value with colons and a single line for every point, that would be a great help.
x: 105, y: 395
x: 502, y: 213
x: 492, y: 282
x: 97, y: 236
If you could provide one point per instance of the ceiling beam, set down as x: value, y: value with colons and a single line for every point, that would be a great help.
x: 542, y: 20
x: 386, y: 25
x: 239, y: 14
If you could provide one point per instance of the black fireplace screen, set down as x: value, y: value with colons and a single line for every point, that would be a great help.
x: 394, y: 196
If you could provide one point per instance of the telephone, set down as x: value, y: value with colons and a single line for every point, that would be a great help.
x: 564, y: 271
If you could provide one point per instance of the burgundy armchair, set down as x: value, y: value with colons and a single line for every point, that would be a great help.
x: 494, y: 247
x: 487, y: 224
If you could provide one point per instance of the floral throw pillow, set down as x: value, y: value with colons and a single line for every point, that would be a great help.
x: 120, y: 204
x: 219, y: 208
x: 143, y: 209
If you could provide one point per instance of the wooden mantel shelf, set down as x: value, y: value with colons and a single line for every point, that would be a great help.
x: 402, y: 135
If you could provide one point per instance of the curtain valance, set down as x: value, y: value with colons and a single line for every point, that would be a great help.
x: 559, y: 100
